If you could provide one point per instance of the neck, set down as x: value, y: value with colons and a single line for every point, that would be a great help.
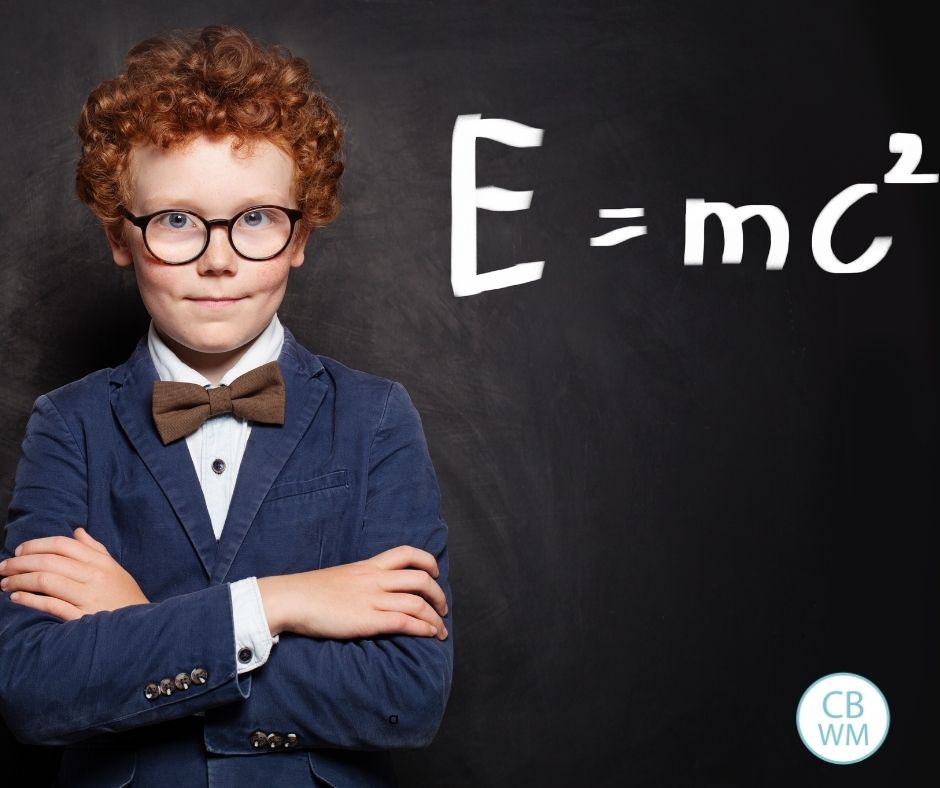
x: 212, y: 366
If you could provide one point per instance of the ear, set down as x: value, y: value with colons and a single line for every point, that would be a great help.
x: 120, y: 251
x: 297, y: 248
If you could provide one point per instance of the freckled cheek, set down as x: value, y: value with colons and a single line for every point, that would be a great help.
x: 270, y: 281
x: 159, y: 283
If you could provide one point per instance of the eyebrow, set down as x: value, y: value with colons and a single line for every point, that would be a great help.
x: 161, y: 203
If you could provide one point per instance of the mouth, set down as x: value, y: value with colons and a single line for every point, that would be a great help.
x: 213, y: 303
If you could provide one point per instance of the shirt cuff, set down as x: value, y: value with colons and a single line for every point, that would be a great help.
x: 253, y: 639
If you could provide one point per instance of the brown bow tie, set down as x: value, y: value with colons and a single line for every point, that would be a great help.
x: 180, y: 408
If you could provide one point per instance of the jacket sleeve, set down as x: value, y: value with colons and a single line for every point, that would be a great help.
x: 368, y: 693
x: 63, y: 681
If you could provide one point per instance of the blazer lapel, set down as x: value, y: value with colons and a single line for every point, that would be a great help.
x: 268, y: 448
x: 171, y: 466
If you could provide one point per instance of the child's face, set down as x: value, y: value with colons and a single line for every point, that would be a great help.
x: 220, y: 301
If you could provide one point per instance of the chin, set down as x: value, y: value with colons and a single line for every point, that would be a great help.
x: 214, y: 345
x: 221, y: 347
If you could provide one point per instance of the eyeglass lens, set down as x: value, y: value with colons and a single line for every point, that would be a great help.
x: 179, y: 236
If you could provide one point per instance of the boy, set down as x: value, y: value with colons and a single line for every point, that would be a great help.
x: 225, y: 562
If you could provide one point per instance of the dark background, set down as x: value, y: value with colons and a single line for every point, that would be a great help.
x: 676, y: 496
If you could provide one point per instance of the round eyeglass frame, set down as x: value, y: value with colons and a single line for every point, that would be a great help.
x: 293, y: 214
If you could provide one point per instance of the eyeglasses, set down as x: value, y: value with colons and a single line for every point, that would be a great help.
x: 177, y: 237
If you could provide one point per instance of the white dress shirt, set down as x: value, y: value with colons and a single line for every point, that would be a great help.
x: 217, y: 448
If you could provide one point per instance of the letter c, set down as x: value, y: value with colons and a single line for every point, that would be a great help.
x: 825, y: 704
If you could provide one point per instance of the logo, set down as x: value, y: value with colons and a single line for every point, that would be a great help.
x: 842, y: 718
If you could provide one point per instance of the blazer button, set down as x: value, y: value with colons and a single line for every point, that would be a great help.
x: 182, y: 681
x: 152, y: 691
x: 275, y: 740
x: 166, y: 686
x: 259, y: 739
x: 290, y: 741
x: 199, y: 675
x: 245, y: 655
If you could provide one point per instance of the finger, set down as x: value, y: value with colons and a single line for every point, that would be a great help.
x: 406, y: 556
x: 47, y: 562
x: 416, y: 581
x: 414, y: 607
x: 393, y: 623
x: 47, y: 583
x: 61, y: 545
x: 47, y: 604
x: 83, y: 536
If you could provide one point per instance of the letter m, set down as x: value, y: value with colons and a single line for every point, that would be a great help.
x: 850, y: 734
x: 732, y: 219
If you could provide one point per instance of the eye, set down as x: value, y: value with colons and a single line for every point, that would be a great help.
x: 174, y: 220
x: 257, y: 218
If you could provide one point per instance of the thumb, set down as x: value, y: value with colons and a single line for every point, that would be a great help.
x: 83, y: 536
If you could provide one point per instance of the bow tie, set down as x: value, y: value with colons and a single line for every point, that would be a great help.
x: 181, y: 408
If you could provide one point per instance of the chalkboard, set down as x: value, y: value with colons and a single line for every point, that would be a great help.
x: 678, y: 493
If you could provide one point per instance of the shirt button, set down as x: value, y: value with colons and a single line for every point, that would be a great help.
x: 218, y: 466
x: 244, y: 655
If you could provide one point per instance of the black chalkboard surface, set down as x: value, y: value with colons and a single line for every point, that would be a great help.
x: 678, y: 494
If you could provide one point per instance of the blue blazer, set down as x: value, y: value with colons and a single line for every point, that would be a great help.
x: 347, y: 476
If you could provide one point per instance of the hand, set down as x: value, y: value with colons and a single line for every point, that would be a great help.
x: 382, y: 595
x: 69, y: 577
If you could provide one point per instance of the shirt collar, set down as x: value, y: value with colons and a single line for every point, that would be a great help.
x: 265, y: 347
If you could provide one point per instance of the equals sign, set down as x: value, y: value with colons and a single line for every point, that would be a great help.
x: 621, y: 234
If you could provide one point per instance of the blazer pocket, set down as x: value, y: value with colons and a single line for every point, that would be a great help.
x: 320, y: 484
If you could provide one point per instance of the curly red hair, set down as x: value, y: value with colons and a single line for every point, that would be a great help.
x: 217, y: 82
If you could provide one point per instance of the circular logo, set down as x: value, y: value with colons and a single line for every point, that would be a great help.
x: 842, y: 718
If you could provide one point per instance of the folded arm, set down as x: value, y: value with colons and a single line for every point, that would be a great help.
x: 365, y: 660
x: 65, y: 680
x: 361, y: 669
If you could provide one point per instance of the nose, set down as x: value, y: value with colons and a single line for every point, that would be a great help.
x: 219, y: 257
